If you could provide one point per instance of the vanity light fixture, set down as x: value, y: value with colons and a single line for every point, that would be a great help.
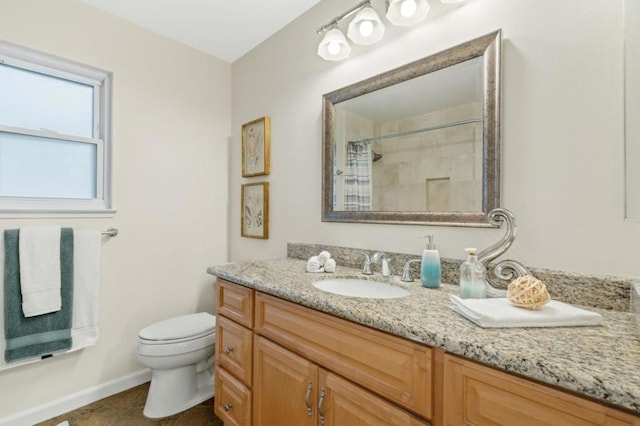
x: 334, y: 45
x: 366, y: 28
x: 405, y: 13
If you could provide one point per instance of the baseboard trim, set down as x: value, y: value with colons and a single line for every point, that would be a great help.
x: 76, y: 400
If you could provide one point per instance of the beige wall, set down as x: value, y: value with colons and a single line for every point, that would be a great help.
x: 171, y: 115
x: 562, y: 156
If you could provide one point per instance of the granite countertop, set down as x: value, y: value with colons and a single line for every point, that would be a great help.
x: 602, y: 362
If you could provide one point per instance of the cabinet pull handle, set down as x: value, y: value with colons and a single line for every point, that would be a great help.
x: 228, y: 350
x: 320, y: 404
x: 307, y: 400
x: 227, y: 406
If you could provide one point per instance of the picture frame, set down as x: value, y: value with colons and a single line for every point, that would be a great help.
x: 255, y: 147
x: 254, y: 210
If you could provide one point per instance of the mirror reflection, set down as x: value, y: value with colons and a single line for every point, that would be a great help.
x: 418, y: 144
x: 424, y: 154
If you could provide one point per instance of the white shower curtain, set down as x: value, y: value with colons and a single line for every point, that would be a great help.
x: 357, y: 179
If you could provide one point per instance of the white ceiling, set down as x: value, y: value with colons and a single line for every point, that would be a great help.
x: 224, y: 29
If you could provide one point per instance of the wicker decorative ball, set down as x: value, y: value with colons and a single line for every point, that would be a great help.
x: 528, y: 292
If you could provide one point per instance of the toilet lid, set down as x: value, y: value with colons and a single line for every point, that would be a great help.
x: 185, y: 326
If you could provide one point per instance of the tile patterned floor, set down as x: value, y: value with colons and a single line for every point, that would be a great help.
x: 125, y: 409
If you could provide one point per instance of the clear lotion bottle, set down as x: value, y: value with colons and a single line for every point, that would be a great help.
x: 430, y: 268
x: 473, y: 283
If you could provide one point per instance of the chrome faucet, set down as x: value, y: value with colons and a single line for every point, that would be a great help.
x: 385, y: 270
x: 406, y: 271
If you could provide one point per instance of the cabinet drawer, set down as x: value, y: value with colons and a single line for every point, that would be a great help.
x: 234, y: 346
x: 235, y: 302
x: 395, y: 368
x: 233, y: 400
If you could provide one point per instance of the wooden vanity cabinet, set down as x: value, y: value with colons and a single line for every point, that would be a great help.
x: 280, y: 363
x: 391, y: 367
x: 475, y: 394
x: 290, y: 389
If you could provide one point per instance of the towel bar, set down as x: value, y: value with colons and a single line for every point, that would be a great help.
x: 111, y: 232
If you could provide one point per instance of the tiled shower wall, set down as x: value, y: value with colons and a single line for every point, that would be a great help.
x: 437, y: 170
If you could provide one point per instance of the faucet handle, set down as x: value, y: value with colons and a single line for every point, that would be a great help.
x: 406, y: 271
x: 366, y: 270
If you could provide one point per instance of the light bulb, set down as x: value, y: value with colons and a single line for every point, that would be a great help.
x: 366, y: 28
x: 408, y: 8
x: 333, y: 48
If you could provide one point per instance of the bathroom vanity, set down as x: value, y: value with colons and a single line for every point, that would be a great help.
x: 288, y: 353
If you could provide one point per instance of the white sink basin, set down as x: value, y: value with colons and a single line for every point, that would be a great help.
x: 361, y: 288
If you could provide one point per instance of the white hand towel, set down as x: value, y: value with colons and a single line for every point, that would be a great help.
x: 330, y: 265
x: 500, y: 313
x: 86, y: 277
x: 323, y: 257
x: 313, y: 265
x: 39, y: 249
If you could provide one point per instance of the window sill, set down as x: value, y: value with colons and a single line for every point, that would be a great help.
x: 55, y: 213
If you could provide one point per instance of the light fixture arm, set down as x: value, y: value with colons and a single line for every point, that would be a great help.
x: 334, y: 21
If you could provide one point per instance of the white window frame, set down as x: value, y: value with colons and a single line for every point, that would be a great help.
x: 21, y: 57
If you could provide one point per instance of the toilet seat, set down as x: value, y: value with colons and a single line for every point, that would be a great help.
x: 175, y: 347
x: 184, y: 328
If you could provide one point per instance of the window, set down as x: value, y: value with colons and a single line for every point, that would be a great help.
x: 55, y: 151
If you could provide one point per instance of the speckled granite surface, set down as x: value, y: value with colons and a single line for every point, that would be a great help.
x: 603, y: 292
x: 601, y: 362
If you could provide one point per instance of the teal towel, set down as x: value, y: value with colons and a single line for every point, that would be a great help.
x: 43, y: 334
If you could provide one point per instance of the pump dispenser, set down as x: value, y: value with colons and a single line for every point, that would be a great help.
x: 473, y: 283
x: 430, y: 268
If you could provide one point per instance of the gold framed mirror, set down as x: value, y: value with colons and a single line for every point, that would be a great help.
x: 419, y: 144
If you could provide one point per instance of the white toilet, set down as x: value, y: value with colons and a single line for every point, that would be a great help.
x: 180, y: 353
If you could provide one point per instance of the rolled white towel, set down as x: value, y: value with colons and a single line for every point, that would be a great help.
x: 330, y: 265
x: 313, y: 265
x: 323, y: 257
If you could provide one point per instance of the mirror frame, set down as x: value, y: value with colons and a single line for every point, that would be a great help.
x: 487, y: 47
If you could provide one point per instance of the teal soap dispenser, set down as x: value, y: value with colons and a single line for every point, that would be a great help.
x: 430, y: 268
x: 473, y: 282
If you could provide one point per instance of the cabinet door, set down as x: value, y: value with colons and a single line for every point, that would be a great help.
x: 478, y: 395
x: 284, y: 386
x: 343, y: 403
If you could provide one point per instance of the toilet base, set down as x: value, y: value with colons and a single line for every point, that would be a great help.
x: 175, y: 390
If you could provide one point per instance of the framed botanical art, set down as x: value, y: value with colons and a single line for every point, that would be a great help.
x: 255, y: 147
x: 254, y: 216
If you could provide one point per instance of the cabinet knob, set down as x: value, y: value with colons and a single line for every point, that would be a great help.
x: 227, y: 406
x: 228, y: 350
